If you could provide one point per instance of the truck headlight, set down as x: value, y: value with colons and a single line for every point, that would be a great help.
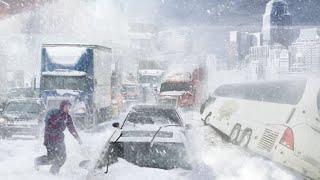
x: 3, y: 120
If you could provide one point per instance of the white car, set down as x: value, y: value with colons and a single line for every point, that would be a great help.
x: 277, y: 119
x: 140, y: 149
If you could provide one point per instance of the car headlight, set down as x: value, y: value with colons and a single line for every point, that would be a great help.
x: 3, y: 120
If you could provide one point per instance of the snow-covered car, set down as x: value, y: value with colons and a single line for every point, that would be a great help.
x: 157, y: 115
x: 22, y: 117
x: 142, y: 149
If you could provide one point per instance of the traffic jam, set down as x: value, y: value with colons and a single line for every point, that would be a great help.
x: 142, y: 101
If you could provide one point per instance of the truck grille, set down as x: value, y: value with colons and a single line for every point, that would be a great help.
x: 268, y: 139
x: 172, y: 102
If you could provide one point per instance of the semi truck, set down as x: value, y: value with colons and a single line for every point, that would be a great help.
x: 150, y: 73
x: 182, y: 89
x: 79, y: 73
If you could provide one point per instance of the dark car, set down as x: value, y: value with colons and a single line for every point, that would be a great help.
x: 22, y: 117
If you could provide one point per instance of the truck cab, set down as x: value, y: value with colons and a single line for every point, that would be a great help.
x: 177, y: 90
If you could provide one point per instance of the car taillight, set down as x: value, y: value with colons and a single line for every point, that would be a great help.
x: 288, y: 139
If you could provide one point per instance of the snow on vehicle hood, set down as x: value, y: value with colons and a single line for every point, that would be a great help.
x: 62, y: 92
x: 63, y: 72
x: 21, y: 119
x: 17, y: 116
x: 151, y: 72
x: 172, y: 93
x: 145, y: 133
x: 116, y: 172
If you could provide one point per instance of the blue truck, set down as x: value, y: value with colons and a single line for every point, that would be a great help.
x: 81, y: 74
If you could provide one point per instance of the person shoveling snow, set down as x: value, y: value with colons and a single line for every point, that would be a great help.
x: 56, y: 121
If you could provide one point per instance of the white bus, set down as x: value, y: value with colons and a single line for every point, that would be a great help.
x: 277, y: 119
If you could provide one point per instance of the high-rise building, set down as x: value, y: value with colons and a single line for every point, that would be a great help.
x: 3, y: 74
x: 277, y: 23
x: 239, y: 46
x: 305, y: 51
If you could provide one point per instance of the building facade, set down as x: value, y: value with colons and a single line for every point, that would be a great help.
x: 277, y: 23
x: 305, y: 51
x: 3, y: 74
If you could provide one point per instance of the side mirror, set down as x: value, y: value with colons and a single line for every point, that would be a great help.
x: 85, y: 164
x: 116, y: 125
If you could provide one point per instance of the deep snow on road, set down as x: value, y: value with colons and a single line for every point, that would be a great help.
x: 17, y: 156
x: 224, y: 160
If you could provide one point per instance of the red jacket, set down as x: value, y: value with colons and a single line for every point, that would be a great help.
x: 56, y: 122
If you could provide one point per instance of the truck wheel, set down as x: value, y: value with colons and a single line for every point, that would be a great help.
x: 245, y: 138
x: 235, y: 134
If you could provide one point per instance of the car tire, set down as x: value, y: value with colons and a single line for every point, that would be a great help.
x: 233, y: 138
x: 245, y: 138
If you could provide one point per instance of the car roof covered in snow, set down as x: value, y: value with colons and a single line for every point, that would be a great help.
x: 21, y: 100
x: 153, y: 106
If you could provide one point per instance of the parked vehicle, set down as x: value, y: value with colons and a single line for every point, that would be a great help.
x: 276, y: 119
x: 182, y: 89
x: 22, y: 117
x: 152, y: 137
x: 79, y: 73
x: 130, y: 93
x: 150, y: 74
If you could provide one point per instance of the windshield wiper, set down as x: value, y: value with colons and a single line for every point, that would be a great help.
x: 107, y: 169
x: 155, y: 134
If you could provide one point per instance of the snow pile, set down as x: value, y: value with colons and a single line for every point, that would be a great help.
x: 135, y: 172
x: 17, y: 156
x: 227, y: 161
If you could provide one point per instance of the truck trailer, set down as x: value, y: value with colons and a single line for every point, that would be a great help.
x: 79, y: 73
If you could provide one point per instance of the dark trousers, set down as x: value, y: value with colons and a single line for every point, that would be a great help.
x: 56, y: 156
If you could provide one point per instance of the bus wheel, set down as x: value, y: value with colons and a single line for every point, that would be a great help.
x: 235, y: 134
x: 245, y: 138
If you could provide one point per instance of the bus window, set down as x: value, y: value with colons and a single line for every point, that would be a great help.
x: 283, y: 92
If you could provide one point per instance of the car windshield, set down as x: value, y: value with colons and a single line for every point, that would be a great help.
x: 177, y: 86
x: 24, y: 107
x: 162, y: 155
x: 152, y: 116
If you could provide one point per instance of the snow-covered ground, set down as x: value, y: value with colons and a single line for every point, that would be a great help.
x: 224, y: 160
x: 229, y: 162
x: 17, y: 156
